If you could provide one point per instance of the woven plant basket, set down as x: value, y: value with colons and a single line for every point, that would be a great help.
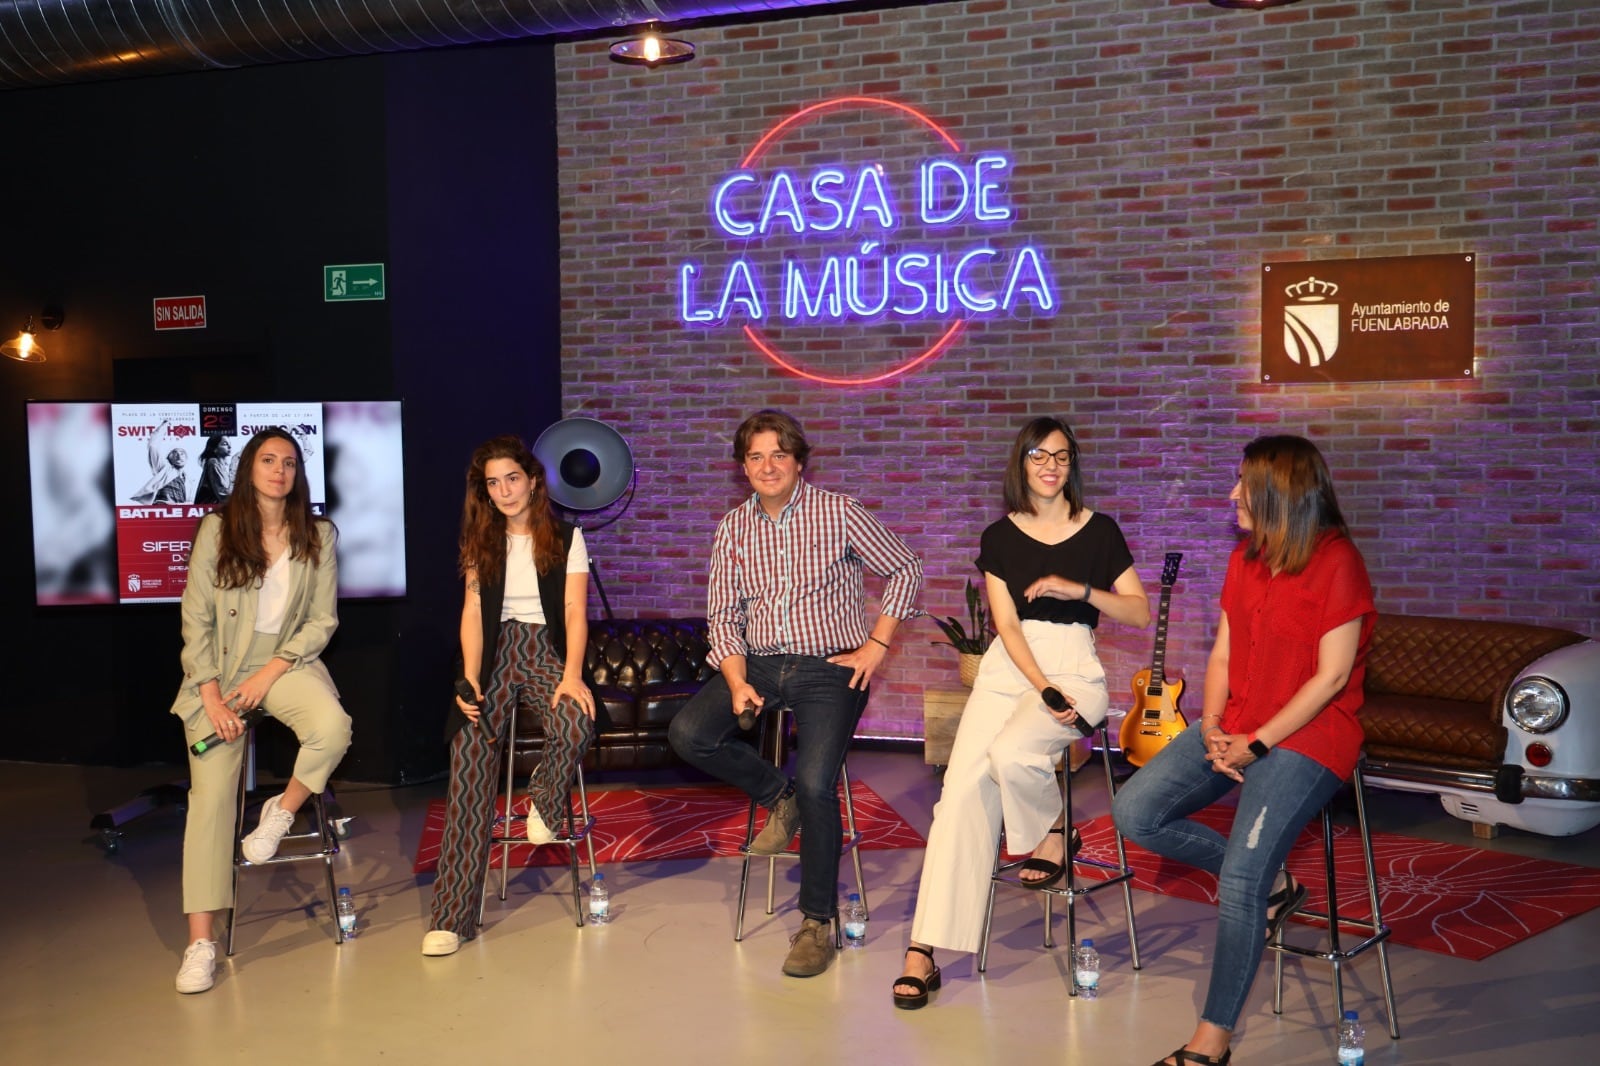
x: 969, y: 668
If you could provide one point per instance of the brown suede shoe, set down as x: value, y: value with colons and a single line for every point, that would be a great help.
x: 781, y: 823
x: 810, y: 950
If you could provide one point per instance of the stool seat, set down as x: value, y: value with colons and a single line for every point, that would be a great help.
x: 1337, y: 953
x: 1071, y: 889
x: 774, y: 739
x: 324, y: 833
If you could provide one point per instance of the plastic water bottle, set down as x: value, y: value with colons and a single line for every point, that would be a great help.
x: 1086, y: 970
x: 1352, y: 1040
x: 345, y: 908
x: 599, y: 901
x: 855, y: 922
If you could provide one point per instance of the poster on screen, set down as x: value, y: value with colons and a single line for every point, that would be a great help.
x: 171, y: 463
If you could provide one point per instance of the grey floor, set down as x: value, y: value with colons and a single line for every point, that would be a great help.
x: 92, y: 942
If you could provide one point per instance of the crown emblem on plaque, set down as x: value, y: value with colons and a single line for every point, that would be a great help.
x: 1311, y: 289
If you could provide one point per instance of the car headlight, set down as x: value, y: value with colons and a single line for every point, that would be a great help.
x: 1537, y: 704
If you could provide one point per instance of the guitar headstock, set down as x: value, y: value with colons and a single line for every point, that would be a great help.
x: 1169, y: 571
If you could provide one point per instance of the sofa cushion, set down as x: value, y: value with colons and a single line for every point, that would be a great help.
x: 1433, y: 731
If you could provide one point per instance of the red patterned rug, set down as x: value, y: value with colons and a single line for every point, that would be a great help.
x: 1445, y: 898
x: 693, y: 822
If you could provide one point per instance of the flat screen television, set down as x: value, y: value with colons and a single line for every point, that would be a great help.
x: 116, y: 490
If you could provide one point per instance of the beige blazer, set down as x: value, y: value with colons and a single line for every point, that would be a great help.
x: 218, y: 624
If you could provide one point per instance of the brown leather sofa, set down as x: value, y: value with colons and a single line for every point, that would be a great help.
x: 1435, y: 691
x: 643, y: 670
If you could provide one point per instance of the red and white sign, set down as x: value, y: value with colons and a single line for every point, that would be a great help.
x: 180, y: 312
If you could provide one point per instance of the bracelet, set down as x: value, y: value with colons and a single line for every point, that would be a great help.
x: 875, y: 640
x: 1086, y: 590
x: 1204, y: 729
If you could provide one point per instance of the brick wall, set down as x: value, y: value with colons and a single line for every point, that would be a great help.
x: 1161, y: 153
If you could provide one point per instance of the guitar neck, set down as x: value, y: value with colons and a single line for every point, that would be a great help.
x: 1158, y: 660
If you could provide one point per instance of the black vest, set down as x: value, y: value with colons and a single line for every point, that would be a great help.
x: 491, y: 597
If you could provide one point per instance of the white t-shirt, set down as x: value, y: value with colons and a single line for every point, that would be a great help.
x: 273, y: 600
x: 522, y: 579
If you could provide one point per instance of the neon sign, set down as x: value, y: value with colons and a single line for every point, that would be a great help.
x: 832, y: 244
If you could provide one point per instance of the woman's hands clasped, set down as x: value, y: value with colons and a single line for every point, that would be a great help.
x: 1229, y: 753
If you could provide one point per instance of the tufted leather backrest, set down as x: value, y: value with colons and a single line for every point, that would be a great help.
x: 1471, y: 660
x: 631, y: 653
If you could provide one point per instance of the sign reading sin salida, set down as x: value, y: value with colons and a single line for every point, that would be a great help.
x: 1402, y: 318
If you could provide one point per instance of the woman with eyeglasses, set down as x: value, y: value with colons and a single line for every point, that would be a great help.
x: 1051, y: 568
x: 1278, y: 723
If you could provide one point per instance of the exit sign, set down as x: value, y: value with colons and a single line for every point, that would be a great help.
x: 352, y: 281
x: 180, y: 312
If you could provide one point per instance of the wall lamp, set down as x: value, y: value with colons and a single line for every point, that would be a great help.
x: 650, y: 49
x: 23, y: 348
x: 1252, y: 5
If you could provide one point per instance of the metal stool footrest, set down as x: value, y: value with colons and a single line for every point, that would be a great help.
x: 324, y: 832
x: 778, y: 719
x: 1121, y: 874
x: 1377, y: 934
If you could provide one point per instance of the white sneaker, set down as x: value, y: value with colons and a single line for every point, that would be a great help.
x: 199, y: 968
x: 262, y: 844
x: 538, y: 832
x: 440, y: 942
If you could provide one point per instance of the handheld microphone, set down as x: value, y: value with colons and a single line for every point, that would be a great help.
x: 248, y: 719
x: 747, y: 717
x: 464, y: 690
x: 1057, y: 702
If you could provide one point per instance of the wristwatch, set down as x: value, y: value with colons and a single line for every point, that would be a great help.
x: 1257, y: 748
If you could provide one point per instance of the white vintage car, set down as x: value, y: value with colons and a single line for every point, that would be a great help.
x: 1548, y: 779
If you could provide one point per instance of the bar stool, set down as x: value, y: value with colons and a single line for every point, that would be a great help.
x: 1070, y: 889
x: 510, y: 829
x: 1377, y: 934
x: 324, y: 833
x: 775, y: 738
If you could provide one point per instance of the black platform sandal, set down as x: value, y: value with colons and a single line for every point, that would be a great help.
x: 918, y: 999
x: 1283, y: 903
x: 1183, y: 1055
x: 1052, y: 870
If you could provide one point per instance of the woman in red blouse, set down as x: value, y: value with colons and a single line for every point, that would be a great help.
x: 1279, y: 721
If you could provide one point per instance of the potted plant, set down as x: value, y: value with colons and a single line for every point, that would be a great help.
x: 970, y: 640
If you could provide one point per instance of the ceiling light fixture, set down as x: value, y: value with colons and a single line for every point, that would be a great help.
x: 23, y: 347
x: 650, y: 49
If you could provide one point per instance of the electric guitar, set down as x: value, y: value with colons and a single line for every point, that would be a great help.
x: 1155, y: 719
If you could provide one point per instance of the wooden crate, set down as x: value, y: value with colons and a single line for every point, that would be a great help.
x: 941, y: 713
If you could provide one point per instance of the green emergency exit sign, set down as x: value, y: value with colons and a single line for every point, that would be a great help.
x: 352, y: 281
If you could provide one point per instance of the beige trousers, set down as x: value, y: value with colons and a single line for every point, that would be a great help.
x: 1002, y: 766
x: 305, y: 700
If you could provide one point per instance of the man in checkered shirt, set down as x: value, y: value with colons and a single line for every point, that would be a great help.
x: 788, y: 620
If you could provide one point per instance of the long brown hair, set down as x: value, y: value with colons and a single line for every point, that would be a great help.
x: 241, y: 555
x: 1015, y: 486
x: 1289, y: 494
x: 483, y: 525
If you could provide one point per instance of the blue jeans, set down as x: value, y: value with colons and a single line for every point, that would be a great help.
x: 1280, y: 794
x: 706, y: 735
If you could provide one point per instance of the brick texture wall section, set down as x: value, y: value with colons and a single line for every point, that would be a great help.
x: 1161, y: 153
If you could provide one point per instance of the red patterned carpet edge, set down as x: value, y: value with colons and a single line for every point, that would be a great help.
x: 1465, y: 902
x: 682, y: 822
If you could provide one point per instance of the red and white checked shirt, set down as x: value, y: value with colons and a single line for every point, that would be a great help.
x: 793, y: 585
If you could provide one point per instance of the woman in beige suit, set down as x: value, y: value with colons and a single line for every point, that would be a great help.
x: 258, y: 609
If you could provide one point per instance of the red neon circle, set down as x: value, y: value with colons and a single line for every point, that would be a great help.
x: 777, y: 357
x: 755, y: 336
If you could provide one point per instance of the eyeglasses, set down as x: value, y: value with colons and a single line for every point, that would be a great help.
x: 1037, y: 456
